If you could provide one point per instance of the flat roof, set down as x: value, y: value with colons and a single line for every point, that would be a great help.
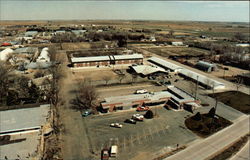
x: 164, y: 63
x: 202, y: 79
x: 146, y: 69
x: 188, y: 73
x: 128, y: 56
x: 90, y: 59
x: 19, y: 119
x: 205, y: 64
x: 106, y: 58
x: 134, y: 97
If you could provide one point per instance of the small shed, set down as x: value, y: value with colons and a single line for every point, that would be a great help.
x: 206, y: 66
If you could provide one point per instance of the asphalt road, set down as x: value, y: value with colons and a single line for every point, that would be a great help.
x: 243, y: 154
x: 216, y: 143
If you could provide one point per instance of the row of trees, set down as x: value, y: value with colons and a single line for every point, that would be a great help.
x: 121, y: 38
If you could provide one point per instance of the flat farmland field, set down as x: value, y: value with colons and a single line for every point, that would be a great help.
x: 178, y: 51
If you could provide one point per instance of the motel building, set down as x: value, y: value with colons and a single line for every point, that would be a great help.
x: 172, y: 97
x: 97, y: 61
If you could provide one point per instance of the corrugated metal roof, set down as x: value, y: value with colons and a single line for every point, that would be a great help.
x: 134, y: 97
x: 129, y: 56
x: 29, y: 50
x: 186, y: 72
x: 23, y: 118
x: 164, y: 63
x: 205, y: 64
x: 146, y: 69
x: 90, y: 59
x: 105, y: 58
x: 202, y: 79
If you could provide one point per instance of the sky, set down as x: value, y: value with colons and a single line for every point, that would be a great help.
x: 233, y: 11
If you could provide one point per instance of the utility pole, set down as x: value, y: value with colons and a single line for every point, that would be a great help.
x: 216, y: 102
x: 196, y: 88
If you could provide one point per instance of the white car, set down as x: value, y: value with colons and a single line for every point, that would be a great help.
x: 141, y: 91
x: 138, y: 117
x: 116, y: 125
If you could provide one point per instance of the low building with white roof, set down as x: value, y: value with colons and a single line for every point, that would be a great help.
x: 172, y: 97
x: 106, y: 60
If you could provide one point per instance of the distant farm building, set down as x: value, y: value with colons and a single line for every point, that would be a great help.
x: 30, y: 33
x: 205, y: 66
x: 243, y: 45
x: 107, y: 60
x: 177, y: 43
x: 173, y: 97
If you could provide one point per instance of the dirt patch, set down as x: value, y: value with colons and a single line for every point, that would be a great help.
x: 95, y: 75
x: 234, y: 99
x: 204, y: 125
x: 76, y: 46
x: 232, y: 149
x: 178, y: 51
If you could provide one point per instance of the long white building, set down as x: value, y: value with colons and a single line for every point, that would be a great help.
x: 204, y: 80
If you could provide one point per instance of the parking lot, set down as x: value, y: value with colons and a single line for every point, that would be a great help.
x: 152, y: 137
x: 167, y: 129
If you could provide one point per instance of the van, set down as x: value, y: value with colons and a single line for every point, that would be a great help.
x: 113, y: 151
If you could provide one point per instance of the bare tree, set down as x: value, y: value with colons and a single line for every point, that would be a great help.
x: 238, y: 83
x: 53, y: 92
x: 121, y: 77
x: 171, y: 32
x: 4, y: 81
x: 106, y: 78
x: 134, y: 78
x: 86, y: 97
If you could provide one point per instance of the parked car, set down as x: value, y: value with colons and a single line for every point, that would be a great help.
x: 142, y: 108
x: 116, y: 125
x: 141, y: 91
x: 138, y: 117
x: 113, y: 151
x: 105, y: 154
x: 86, y: 113
x: 132, y: 121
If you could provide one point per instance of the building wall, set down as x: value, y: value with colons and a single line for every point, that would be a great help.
x: 106, y: 63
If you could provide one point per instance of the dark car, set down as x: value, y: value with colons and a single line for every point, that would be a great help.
x: 132, y: 121
x: 86, y: 113
x: 105, y: 154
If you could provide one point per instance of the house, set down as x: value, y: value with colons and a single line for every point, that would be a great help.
x: 206, y: 66
x: 97, y: 61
